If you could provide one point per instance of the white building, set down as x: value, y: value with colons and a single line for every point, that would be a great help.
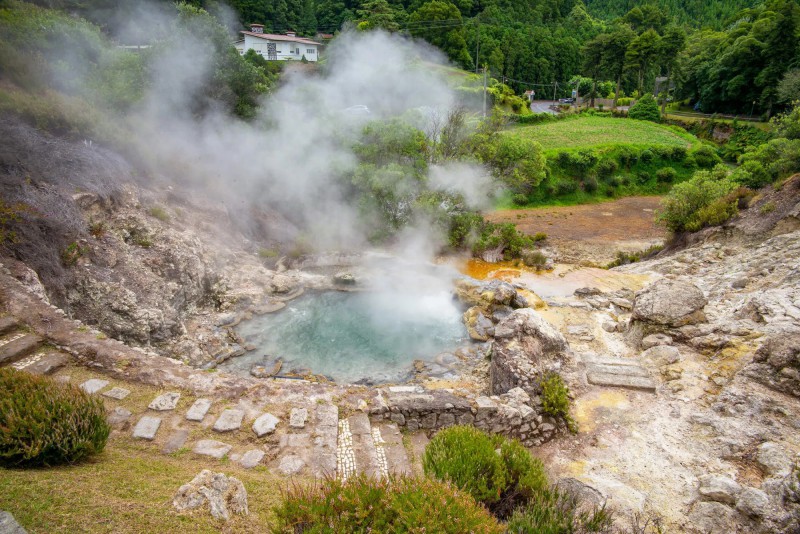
x: 276, y: 47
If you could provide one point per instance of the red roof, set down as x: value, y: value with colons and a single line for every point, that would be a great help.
x: 276, y: 37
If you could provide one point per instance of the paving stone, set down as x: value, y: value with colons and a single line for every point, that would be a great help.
x: 229, y: 420
x: 175, y: 441
x: 118, y: 416
x: 117, y: 393
x: 251, y: 458
x: 165, y: 402
x: 42, y: 363
x: 265, y: 424
x: 198, y: 410
x: 291, y: 464
x: 93, y: 385
x: 295, y: 441
x: 325, y: 436
x: 9, y: 525
x: 7, y: 324
x: 366, y: 454
x: 297, y: 419
x: 396, y: 454
x: 213, y: 448
x: 630, y: 370
x: 622, y: 381
x: 19, y: 347
x: 147, y: 427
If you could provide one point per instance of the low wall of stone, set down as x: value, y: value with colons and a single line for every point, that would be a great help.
x: 514, y: 414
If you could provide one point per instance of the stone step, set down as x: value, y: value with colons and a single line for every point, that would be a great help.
x: 417, y: 443
x: 17, y: 346
x: 631, y: 370
x: 42, y: 363
x: 7, y: 324
x: 389, y: 437
x: 324, y: 439
x: 621, y: 381
x: 594, y: 359
x: 364, y: 450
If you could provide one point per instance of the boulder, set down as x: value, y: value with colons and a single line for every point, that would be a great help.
x: 670, y: 303
x: 224, y: 495
x: 776, y: 363
x: 773, y: 459
x: 654, y: 340
x: 752, y: 502
x: 712, y: 518
x: 719, y: 488
x: 662, y: 355
x: 478, y: 325
x: 489, y: 295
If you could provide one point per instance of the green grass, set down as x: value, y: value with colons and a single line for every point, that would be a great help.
x: 597, y: 132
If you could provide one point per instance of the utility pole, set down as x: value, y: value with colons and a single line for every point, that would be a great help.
x: 555, y: 85
x: 484, y: 92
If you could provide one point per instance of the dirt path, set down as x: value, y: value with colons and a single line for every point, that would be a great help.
x: 591, y: 233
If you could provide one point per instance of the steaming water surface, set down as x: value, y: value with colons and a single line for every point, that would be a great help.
x: 352, y: 337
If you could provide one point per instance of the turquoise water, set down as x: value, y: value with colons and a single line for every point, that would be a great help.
x: 368, y: 337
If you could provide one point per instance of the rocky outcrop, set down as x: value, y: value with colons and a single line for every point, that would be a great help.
x: 776, y: 363
x: 224, y: 495
x: 670, y: 303
x: 489, y: 296
x: 526, y: 347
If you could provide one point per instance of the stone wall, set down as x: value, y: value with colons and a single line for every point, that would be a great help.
x: 514, y: 414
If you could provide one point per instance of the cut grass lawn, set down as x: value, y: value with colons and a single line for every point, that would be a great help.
x: 594, y: 132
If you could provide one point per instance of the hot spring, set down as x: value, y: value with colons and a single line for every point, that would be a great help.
x: 369, y: 336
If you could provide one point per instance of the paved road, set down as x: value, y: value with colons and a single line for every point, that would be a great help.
x: 542, y: 106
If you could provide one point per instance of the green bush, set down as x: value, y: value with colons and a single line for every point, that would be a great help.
x: 647, y: 156
x: 628, y: 157
x: 555, y: 399
x: 534, y: 258
x: 497, y: 472
x: 681, y: 209
x: 666, y: 175
x: 643, y: 177
x: 624, y: 101
x: 751, y: 174
x: 44, y: 423
x: 705, y: 157
x: 678, y: 153
x: 397, y: 504
x: 607, y: 168
x: 646, y: 109
x: 557, y: 512
x: 520, y: 199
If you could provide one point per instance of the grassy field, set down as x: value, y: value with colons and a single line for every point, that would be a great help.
x: 594, y: 132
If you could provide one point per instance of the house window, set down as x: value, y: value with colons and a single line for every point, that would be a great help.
x: 309, y: 50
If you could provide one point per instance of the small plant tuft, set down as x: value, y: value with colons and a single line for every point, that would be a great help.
x: 159, y: 213
x: 45, y: 423
x: 555, y: 399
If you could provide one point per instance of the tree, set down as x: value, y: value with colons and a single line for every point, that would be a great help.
x: 377, y: 14
x: 669, y: 48
x: 614, y: 54
x: 780, y: 47
x: 593, y: 53
x: 448, y: 36
x: 645, y: 109
x: 789, y: 87
x: 642, y: 54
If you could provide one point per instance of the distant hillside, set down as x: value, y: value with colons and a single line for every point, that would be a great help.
x: 696, y: 13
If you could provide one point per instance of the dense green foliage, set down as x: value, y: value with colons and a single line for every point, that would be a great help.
x: 645, y: 109
x: 557, y: 512
x: 44, y: 423
x: 699, y: 202
x: 396, y: 504
x: 555, y: 399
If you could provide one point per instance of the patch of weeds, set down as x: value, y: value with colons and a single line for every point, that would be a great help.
x: 539, y: 236
x: 555, y: 399
x: 769, y: 207
x: 624, y: 258
x: 159, y: 213
x: 71, y: 254
x: 101, y: 335
x: 267, y: 253
x: 83, y: 328
x: 97, y: 229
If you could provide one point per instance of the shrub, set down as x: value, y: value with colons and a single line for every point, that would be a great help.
x: 397, y: 504
x: 647, y: 156
x: 71, y: 254
x: 159, y: 213
x: 666, y: 175
x: 555, y: 399
x: 715, y: 214
x: 498, y: 472
x: 590, y: 184
x: 678, y: 153
x: 624, y: 101
x: 643, y: 177
x: 557, y: 512
x: 769, y: 207
x: 752, y: 174
x: 534, y: 258
x: 646, y: 109
x: 705, y: 157
x: 680, y: 210
x: 607, y: 168
x: 519, y: 199
x: 44, y: 423
x: 628, y: 157
x: 567, y: 187
x: 539, y: 236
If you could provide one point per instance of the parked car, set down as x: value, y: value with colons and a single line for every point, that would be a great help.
x: 566, y: 100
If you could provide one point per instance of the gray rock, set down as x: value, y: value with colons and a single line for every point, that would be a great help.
x: 629, y: 381
x: 655, y: 340
x: 291, y: 465
x: 93, y: 385
x: 719, y: 488
x: 9, y: 525
x: 662, y: 355
x: 712, y: 518
x: 265, y: 424
x: 251, y: 458
x: 229, y: 420
x: 670, y: 303
x: 165, y: 402
x: 297, y: 418
x: 223, y: 495
x: 198, y: 410
x: 117, y: 393
x: 739, y: 283
x: 752, y: 502
x: 213, y: 448
x: 625, y: 304
x: 118, y: 416
x: 773, y: 459
x: 175, y: 441
x: 609, y: 326
x: 147, y: 427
